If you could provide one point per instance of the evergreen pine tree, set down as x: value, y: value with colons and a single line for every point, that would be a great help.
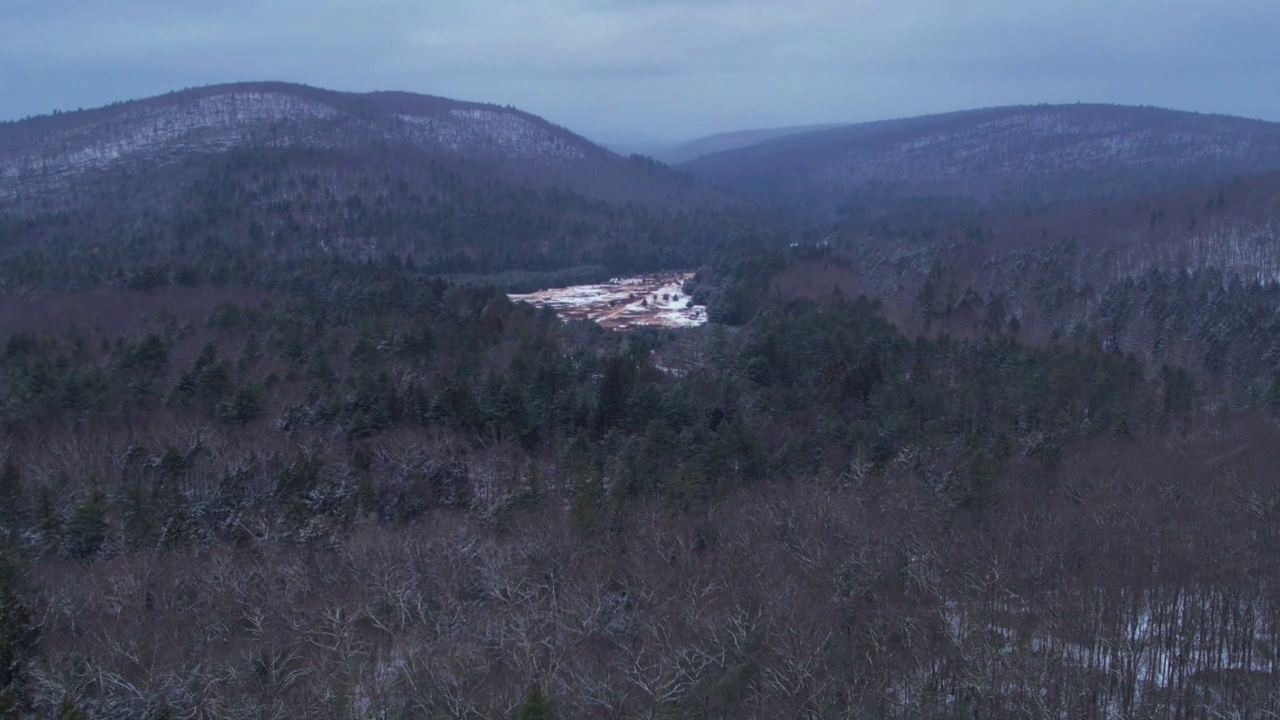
x: 19, y: 642
x: 87, y: 527
x: 536, y: 706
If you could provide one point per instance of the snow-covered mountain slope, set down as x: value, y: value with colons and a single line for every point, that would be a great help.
x: 1018, y: 154
x: 52, y: 155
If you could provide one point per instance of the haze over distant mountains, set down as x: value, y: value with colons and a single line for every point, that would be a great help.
x: 688, y: 150
x: 1002, y: 155
x: 1005, y: 155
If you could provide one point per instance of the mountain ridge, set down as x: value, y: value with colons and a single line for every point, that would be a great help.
x: 732, y: 140
x: 49, y: 155
x: 292, y: 170
x: 1024, y: 153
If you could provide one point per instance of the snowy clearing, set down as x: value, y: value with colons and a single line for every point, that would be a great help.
x: 622, y: 303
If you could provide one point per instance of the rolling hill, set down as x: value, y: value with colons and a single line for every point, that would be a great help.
x: 293, y: 170
x: 52, y: 156
x: 1014, y: 156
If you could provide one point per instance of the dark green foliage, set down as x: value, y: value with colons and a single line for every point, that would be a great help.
x: 10, y: 706
x: 536, y: 705
x: 584, y: 491
x: 244, y: 406
x: 228, y: 316
x: 19, y: 645
x: 615, y: 388
x: 146, y: 357
x: 86, y: 528
x: 12, y: 496
x: 68, y: 710
x: 207, y: 382
x: 1178, y: 389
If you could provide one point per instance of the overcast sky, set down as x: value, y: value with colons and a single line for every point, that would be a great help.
x: 623, y: 70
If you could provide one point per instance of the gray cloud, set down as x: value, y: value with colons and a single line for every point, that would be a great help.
x: 663, y: 68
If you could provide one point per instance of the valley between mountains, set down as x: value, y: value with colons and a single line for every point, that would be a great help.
x: 375, y: 405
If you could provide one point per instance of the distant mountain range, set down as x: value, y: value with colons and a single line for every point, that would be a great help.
x: 470, y: 187
x: 1011, y: 156
x: 721, y: 142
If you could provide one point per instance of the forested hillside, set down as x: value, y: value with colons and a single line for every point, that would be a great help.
x: 1011, y: 157
x: 55, y: 160
x: 1186, y: 278
x: 176, y: 184
x: 372, y: 491
x: 246, y: 205
x: 275, y: 442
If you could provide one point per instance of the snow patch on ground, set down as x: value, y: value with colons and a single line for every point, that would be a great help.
x: 623, y: 303
x: 494, y: 132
